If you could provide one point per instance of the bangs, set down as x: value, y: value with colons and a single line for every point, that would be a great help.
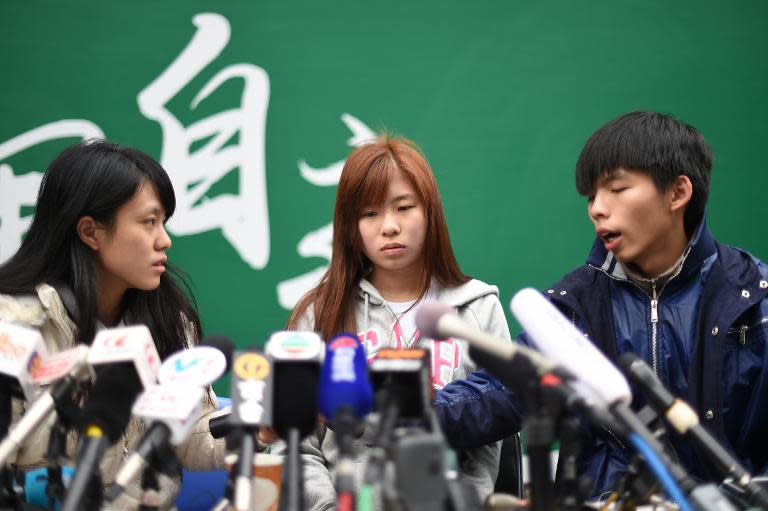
x: 158, y: 177
x: 153, y: 173
x: 373, y: 184
x: 628, y: 146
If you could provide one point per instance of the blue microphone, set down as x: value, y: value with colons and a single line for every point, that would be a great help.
x: 345, y: 396
x: 344, y: 380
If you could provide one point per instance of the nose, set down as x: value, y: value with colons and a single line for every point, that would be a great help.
x: 598, y: 207
x: 163, y: 241
x: 390, y: 226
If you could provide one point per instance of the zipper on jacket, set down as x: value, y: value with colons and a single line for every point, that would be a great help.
x: 654, y: 305
x: 654, y: 322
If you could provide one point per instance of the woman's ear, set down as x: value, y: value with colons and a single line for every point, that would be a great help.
x: 87, y: 231
x: 681, y: 192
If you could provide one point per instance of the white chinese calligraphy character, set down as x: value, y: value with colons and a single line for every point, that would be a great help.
x: 17, y: 191
x: 243, y: 218
x: 318, y: 243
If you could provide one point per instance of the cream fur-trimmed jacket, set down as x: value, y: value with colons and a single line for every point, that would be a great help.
x: 45, y: 311
x: 478, y: 304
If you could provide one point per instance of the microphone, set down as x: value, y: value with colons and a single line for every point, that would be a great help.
x: 67, y: 368
x: 22, y: 349
x: 345, y: 397
x: 296, y: 359
x: 252, y: 402
x: 685, y: 421
x: 598, y: 381
x: 402, y: 383
x: 171, y: 407
x: 199, y: 366
x: 130, y: 362
x: 513, y: 363
x: 344, y: 386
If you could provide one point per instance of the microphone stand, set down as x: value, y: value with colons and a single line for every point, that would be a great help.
x: 233, y: 439
x: 54, y: 490
x: 238, y: 492
x: 540, y: 426
x: 163, y: 460
x: 9, y: 500
x: 292, y: 486
x: 375, y: 470
x: 573, y: 489
x: 545, y: 398
x: 346, y: 423
x: 85, y: 492
x: 244, y: 470
x: 66, y: 416
x: 149, y: 490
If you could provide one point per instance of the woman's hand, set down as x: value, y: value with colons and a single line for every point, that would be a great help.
x: 267, y: 435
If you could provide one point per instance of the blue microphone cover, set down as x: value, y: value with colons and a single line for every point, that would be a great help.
x: 344, y: 378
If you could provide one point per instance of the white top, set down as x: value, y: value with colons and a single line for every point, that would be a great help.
x: 405, y: 312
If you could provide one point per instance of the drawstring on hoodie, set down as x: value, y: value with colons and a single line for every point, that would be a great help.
x: 365, y: 321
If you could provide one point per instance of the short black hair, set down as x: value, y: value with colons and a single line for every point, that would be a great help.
x: 657, y: 144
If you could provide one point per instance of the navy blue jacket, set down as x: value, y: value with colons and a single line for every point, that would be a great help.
x: 710, y: 350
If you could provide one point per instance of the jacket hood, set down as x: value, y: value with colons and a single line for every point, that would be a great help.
x: 700, y: 247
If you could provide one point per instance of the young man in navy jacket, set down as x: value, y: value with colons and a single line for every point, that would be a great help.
x: 656, y: 283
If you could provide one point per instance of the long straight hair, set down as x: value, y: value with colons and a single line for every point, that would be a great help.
x: 365, y: 180
x: 94, y: 178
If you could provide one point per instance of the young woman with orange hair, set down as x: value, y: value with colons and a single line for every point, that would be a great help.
x: 391, y: 251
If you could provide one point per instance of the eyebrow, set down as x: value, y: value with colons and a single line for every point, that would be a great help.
x: 610, y: 177
x: 155, y: 210
x: 405, y: 196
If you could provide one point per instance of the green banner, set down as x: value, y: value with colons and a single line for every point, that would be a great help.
x: 252, y: 107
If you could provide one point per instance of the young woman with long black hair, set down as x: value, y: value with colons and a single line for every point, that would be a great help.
x: 95, y: 257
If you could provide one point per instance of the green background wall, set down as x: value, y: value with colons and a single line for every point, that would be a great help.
x: 501, y: 95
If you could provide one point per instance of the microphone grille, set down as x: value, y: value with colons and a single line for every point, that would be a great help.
x: 428, y: 315
x: 110, y: 400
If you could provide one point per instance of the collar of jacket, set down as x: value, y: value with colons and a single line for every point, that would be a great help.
x: 701, y: 246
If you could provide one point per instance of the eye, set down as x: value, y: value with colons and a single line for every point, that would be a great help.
x: 368, y: 214
x: 618, y: 189
x: 150, y: 221
x: 405, y: 207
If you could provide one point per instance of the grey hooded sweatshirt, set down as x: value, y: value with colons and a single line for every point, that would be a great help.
x: 478, y: 304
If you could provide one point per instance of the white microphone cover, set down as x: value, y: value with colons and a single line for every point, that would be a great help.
x: 127, y: 344
x: 199, y: 366
x: 597, y: 379
x: 22, y: 349
x: 176, y: 405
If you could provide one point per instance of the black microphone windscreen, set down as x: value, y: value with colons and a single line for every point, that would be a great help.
x: 220, y: 426
x: 428, y: 315
x: 109, y: 402
x: 295, y: 398
x: 222, y: 343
